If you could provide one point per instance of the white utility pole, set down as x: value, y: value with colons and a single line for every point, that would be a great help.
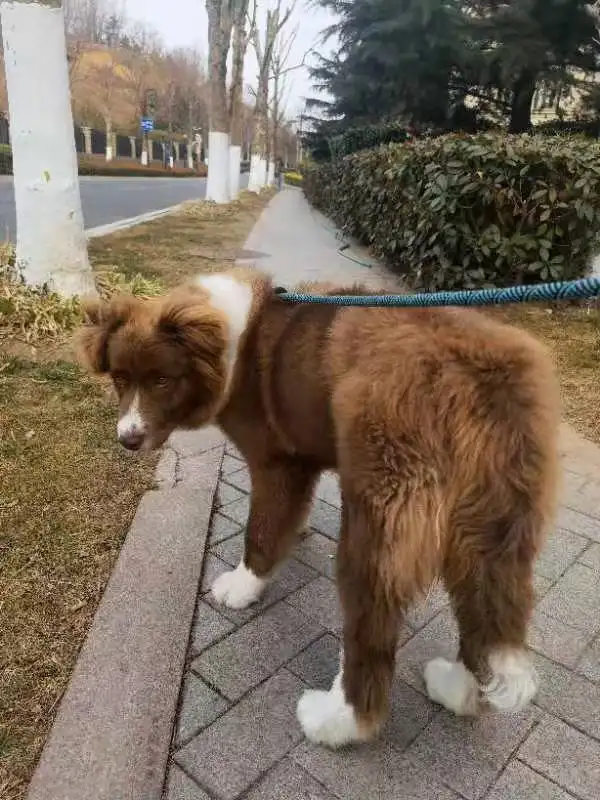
x: 51, y: 243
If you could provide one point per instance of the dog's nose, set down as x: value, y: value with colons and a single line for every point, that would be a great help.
x: 131, y: 439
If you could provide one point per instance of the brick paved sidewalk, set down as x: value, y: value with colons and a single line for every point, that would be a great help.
x: 237, y: 735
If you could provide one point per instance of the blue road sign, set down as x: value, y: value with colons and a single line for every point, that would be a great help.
x: 147, y: 124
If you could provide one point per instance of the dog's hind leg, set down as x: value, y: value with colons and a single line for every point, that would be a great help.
x: 279, y: 503
x: 376, y: 581
x: 492, y: 597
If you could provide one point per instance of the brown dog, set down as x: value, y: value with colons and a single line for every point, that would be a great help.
x: 441, y: 424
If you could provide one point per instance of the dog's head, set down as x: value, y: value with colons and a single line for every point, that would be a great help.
x: 167, y: 358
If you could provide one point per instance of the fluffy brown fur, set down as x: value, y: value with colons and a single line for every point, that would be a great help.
x: 441, y: 423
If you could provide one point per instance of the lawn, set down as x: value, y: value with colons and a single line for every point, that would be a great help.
x: 67, y: 491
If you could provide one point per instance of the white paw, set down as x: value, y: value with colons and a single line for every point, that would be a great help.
x: 514, y: 681
x: 326, y: 718
x: 238, y: 588
x: 450, y: 684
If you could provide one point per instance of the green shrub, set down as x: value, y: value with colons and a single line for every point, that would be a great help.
x: 130, y: 168
x: 469, y: 211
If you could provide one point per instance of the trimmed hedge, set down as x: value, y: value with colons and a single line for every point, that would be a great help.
x: 128, y: 168
x: 469, y: 211
x: 119, y: 168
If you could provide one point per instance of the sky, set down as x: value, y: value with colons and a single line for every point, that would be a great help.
x: 183, y: 23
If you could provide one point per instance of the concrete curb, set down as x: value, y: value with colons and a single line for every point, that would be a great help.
x: 112, y: 733
x: 123, y: 224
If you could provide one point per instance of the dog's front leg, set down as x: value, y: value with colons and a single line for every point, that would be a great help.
x: 280, y: 501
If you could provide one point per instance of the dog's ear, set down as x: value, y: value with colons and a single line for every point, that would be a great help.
x: 200, y: 332
x: 101, y: 320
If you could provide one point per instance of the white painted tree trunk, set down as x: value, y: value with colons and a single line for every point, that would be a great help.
x: 235, y: 160
x: 51, y: 243
x: 258, y: 173
x: 190, y: 157
x: 217, y: 184
x: 271, y: 174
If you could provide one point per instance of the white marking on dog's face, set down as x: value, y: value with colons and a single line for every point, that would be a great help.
x: 131, y: 428
x: 450, y: 684
x: 238, y: 588
x: 514, y: 681
x: 326, y: 717
x: 234, y: 299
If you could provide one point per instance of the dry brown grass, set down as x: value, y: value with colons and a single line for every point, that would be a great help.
x: 67, y: 492
x: 202, y: 238
x: 573, y: 336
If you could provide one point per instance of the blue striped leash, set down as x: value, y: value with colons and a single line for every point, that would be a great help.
x: 557, y: 290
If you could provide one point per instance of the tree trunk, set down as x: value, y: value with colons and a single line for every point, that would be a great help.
x: 522, y: 97
x: 219, y: 29
x: 258, y: 159
x: 240, y: 45
x: 109, y: 141
x: 51, y: 243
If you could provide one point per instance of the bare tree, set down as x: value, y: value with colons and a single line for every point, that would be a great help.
x: 276, y: 19
x: 51, y: 243
x: 220, y: 22
x: 242, y: 28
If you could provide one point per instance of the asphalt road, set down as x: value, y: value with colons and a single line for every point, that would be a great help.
x: 107, y: 200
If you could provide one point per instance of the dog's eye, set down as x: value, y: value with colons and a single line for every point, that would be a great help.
x: 162, y: 382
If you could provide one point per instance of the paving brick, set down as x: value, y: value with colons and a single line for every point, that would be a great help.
x: 165, y: 474
x: 238, y: 511
x: 438, y: 638
x: 591, y: 557
x: 212, y: 568
x: 561, y: 550
x: 232, y: 450
x: 318, y: 664
x: 318, y: 551
x: 230, y: 465
x: 565, y: 756
x: 199, y: 706
x: 319, y: 600
x: 241, y: 480
x: 425, y: 610
x: 288, y: 781
x: 222, y: 528
x: 519, y: 782
x: 541, y: 586
x: 589, y: 664
x: 575, y: 599
x: 230, y: 550
x: 469, y: 753
x: 328, y: 489
x: 209, y: 626
x: 240, y: 746
x: 293, y: 574
x: 180, y: 787
x: 194, y: 443
x: 325, y: 519
x: 584, y: 498
x: 253, y: 652
x: 568, y: 696
x: 579, y: 523
x: 374, y: 770
x: 409, y: 715
x: 227, y: 494
x: 271, y: 595
x: 557, y: 641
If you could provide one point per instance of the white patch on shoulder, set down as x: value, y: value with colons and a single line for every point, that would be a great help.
x: 450, y: 684
x: 326, y: 717
x: 234, y: 299
x: 514, y: 681
x: 132, y: 423
x: 238, y: 588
